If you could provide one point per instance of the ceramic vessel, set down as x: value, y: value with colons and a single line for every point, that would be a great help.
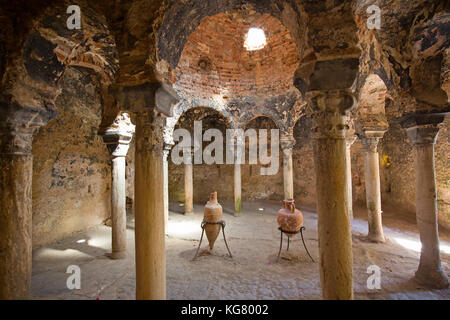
x: 289, y: 218
x: 212, y: 213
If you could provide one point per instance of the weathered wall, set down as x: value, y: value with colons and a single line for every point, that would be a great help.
x: 398, y: 178
x: 254, y: 185
x: 303, y: 162
x: 71, y: 170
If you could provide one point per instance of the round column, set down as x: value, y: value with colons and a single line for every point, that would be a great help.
x: 422, y: 132
x: 16, y: 162
x: 149, y: 217
x: 370, y: 140
x: 287, y: 145
x: 335, y: 241
x: 117, y: 138
x: 166, y: 184
x: 237, y: 190
x: 188, y: 183
x: 348, y: 158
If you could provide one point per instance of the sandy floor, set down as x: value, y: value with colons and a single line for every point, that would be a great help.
x: 252, y: 273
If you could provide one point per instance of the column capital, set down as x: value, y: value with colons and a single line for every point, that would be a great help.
x: 166, y: 149
x: 371, y: 137
x: 151, y: 132
x: 17, y: 141
x: 118, y: 136
x: 422, y: 129
x: 287, y: 142
x: 329, y: 110
x: 20, y: 123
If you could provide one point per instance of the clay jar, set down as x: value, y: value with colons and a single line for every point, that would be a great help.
x: 212, y: 213
x: 289, y: 218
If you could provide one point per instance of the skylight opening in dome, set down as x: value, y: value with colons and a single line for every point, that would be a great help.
x: 255, y: 39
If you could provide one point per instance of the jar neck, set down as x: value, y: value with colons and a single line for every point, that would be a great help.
x: 213, y: 197
x: 289, y: 205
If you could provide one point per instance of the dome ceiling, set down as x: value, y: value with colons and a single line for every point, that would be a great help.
x: 215, y: 62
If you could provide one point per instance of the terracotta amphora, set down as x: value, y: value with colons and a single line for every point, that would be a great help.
x: 289, y: 218
x: 212, y: 213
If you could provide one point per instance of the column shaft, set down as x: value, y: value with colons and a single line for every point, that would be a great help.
x: 188, y: 189
x: 287, y: 145
x: 288, y: 175
x: 335, y: 241
x: 348, y: 160
x: 422, y: 132
x: 15, y: 225
x: 118, y: 209
x: 166, y: 189
x: 149, y: 213
x: 430, y: 270
x: 237, y: 190
x: 373, y: 186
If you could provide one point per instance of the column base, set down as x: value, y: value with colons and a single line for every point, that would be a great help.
x: 435, y: 279
x: 376, y: 238
x: 118, y: 255
x: 188, y: 213
x: 237, y: 214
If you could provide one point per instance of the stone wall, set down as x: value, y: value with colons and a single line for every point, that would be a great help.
x: 398, y: 175
x: 71, y: 165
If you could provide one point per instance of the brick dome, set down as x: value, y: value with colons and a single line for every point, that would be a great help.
x: 215, y: 62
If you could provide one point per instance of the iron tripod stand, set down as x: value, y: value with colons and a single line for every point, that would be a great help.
x: 204, y: 223
x: 292, y: 232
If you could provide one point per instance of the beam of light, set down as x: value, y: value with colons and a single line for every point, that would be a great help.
x: 184, y: 229
x: 416, y: 246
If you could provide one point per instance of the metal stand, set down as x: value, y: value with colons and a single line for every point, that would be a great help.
x: 291, y: 232
x: 204, y: 223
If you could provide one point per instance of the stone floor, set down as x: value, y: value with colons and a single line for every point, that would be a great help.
x: 253, y: 273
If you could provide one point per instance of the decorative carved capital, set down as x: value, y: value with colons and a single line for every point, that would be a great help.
x: 19, y: 124
x: 329, y: 111
x: 117, y: 137
x: 150, y: 132
x: 17, y: 141
x: 371, y: 138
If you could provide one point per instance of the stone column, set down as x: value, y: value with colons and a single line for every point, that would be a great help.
x: 287, y: 145
x: 329, y: 114
x: 188, y: 182
x: 166, y: 151
x: 348, y: 157
x: 370, y: 140
x: 149, y: 210
x: 16, y: 163
x: 117, y: 138
x: 422, y: 132
x: 239, y: 151
x: 237, y: 190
